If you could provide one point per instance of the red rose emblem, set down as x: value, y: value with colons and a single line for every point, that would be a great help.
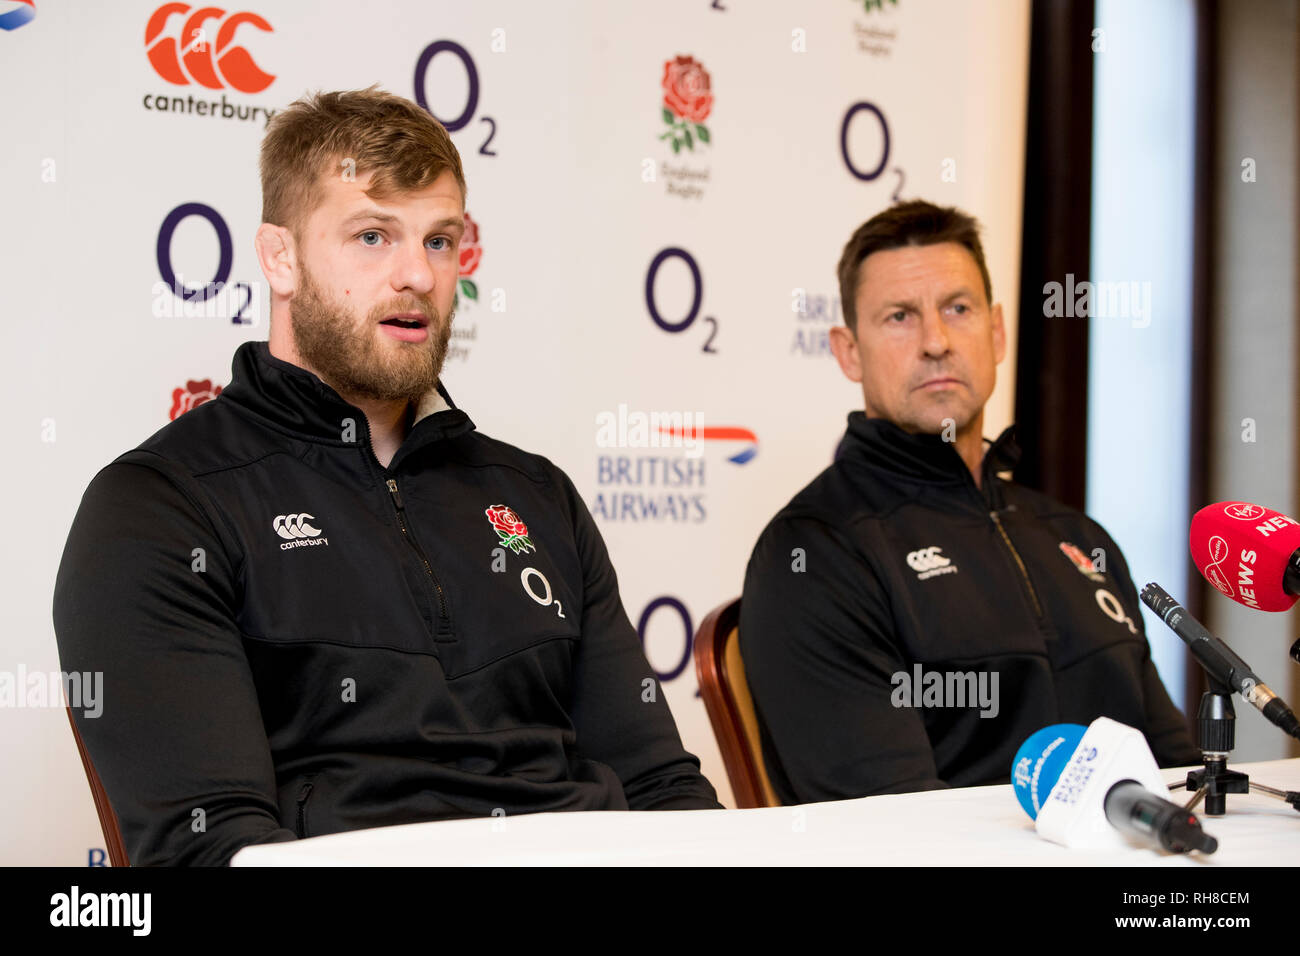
x: 1075, y: 554
x: 470, y: 251
x: 506, y: 520
x: 512, y: 532
x: 687, y: 89
x: 192, y: 395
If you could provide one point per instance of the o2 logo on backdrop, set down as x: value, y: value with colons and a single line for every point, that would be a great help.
x: 14, y: 13
x: 216, y: 298
x: 470, y: 109
x: 676, y: 327
x: 867, y: 167
x: 672, y: 604
x: 196, y: 57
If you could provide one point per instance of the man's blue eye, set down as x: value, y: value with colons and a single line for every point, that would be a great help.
x: 369, y: 233
x: 442, y: 239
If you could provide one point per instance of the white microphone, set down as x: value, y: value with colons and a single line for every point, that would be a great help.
x: 1099, y: 788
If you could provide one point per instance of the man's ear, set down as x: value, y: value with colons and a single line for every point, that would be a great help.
x: 844, y: 345
x: 999, y: 334
x: 278, y: 257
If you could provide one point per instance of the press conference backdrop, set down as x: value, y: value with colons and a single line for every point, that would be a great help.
x: 659, y: 196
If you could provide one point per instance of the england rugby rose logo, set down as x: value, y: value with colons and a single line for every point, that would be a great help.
x: 688, y: 100
x: 512, y: 532
x: 192, y: 395
x: 471, y: 253
x: 1079, y: 559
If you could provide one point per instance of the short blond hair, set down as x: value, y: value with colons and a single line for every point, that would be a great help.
x: 400, y: 143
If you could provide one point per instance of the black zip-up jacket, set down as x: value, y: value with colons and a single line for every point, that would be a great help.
x: 297, y: 641
x: 891, y: 562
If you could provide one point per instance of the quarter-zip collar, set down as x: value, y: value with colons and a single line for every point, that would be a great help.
x: 927, y: 459
x: 293, y: 400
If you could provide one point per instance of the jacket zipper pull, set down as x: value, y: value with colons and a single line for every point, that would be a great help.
x: 397, y: 498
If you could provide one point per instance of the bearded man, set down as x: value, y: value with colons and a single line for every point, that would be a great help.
x: 323, y: 601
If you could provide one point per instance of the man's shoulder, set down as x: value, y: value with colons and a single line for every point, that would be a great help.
x: 478, y: 450
x: 823, y: 517
x: 843, y: 495
x: 1048, y: 510
x: 210, y: 437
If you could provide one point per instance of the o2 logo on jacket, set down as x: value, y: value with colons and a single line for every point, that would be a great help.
x: 868, y: 173
x: 197, y: 57
x: 512, y: 533
x: 1111, y: 607
x: 697, y: 296
x: 467, y: 113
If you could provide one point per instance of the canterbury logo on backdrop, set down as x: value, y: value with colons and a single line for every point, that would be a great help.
x: 194, y: 56
x: 297, y: 531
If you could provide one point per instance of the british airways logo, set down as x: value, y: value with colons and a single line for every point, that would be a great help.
x: 297, y: 532
x: 722, y: 433
x: 18, y: 13
x: 669, y: 485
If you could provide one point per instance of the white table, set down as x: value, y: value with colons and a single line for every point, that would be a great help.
x: 972, y: 826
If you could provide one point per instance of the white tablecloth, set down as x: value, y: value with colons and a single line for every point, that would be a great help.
x: 972, y: 826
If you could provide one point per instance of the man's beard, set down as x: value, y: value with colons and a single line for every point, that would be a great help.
x: 351, y: 360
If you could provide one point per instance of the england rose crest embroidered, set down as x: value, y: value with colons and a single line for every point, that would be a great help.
x: 512, y: 532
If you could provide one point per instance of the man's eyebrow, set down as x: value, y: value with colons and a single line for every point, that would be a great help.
x: 911, y: 305
x: 907, y: 305
x: 377, y: 215
x: 957, y: 294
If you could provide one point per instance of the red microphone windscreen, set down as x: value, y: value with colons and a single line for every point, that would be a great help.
x: 1243, y: 550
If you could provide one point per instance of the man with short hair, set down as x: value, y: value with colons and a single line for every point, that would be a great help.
x: 323, y: 601
x: 911, y: 617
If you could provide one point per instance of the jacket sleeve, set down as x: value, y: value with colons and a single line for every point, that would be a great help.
x: 1166, y: 729
x: 619, y: 709
x: 816, y: 637
x: 179, y: 743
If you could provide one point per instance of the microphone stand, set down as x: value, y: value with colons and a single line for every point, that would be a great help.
x: 1216, y: 729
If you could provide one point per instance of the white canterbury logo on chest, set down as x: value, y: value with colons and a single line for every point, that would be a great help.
x: 296, y: 531
x: 928, y: 562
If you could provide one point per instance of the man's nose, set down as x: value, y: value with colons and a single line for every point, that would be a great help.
x: 411, y: 269
x: 934, y: 333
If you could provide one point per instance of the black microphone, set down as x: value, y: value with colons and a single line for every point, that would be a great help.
x: 1133, y: 809
x: 1219, y: 660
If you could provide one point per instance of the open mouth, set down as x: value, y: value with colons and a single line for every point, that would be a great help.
x: 404, y: 323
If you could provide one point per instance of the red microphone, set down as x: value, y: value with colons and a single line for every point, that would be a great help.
x: 1250, y: 553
